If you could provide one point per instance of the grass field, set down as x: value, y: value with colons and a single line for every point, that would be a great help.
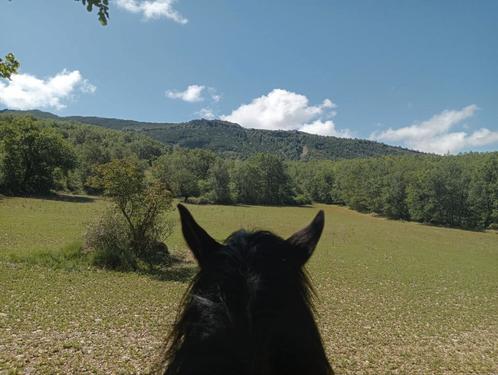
x: 395, y: 297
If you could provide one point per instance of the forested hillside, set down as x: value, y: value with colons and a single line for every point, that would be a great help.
x: 38, y: 156
x: 235, y: 141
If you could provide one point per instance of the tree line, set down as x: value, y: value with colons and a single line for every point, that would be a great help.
x: 460, y: 191
x: 37, y: 156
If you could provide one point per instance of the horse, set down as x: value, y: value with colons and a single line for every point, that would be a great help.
x: 249, y: 308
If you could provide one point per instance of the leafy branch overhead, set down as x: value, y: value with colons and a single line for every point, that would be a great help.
x: 9, y: 64
x: 101, y: 5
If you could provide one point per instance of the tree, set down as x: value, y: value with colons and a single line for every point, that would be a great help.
x: 483, y: 192
x: 140, y: 203
x: 263, y: 179
x: 275, y: 179
x: 220, y: 182
x: 30, y: 154
x: 321, y: 185
x: 247, y: 182
x: 184, y: 171
x: 352, y: 184
x: 439, y: 194
x: 394, y: 196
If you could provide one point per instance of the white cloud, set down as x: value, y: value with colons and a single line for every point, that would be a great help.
x: 482, y: 137
x: 153, y: 9
x: 285, y: 110
x: 87, y: 88
x: 192, y: 94
x: 215, y: 97
x: 195, y: 93
x: 436, y: 125
x: 325, y: 128
x: 206, y: 113
x: 434, y: 135
x: 25, y: 91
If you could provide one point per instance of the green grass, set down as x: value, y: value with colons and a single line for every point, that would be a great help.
x: 39, y: 226
x: 394, y: 297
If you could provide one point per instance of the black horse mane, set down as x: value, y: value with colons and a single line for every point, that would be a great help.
x: 249, y: 310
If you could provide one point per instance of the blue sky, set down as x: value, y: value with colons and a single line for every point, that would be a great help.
x: 423, y: 74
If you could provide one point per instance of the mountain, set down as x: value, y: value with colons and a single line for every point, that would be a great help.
x: 233, y: 140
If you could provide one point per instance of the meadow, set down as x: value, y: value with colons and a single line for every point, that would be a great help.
x: 394, y: 297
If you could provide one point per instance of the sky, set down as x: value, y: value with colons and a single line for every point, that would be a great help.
x: 422, y: 74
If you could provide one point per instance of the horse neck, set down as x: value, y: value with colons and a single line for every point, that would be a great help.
x: 208, y: 342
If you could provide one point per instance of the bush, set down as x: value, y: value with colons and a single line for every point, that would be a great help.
x: 301, y: 200
x: 111, y: 244
x: 109, y: 241
x: 133, y: 231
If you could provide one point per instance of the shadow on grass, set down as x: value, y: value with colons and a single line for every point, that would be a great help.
x: 182, y: 273
x: 55, y: 197
x: 66, y: 198
x: 177, y: 269
x: 247, y: 205
x: 71, y: 258
x: 429, y: 224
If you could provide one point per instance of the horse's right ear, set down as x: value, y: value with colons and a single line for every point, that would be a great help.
x: 199, y: 241
x: 306, y: 239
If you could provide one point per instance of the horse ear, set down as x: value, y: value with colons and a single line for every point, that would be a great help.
x: 307, y: 238
x: 199, y: 241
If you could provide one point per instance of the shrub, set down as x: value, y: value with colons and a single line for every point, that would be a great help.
x: 301, y: 200
x: 109, y: 241
x: 133, y: 231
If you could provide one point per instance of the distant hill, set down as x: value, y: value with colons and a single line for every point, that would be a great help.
x: 234, y: 140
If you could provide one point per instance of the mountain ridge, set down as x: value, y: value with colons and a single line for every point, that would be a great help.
x: 233, y: 140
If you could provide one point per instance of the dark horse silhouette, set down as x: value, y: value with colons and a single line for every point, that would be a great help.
x: 248, y: 311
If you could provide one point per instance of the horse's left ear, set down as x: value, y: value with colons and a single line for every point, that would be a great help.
x: 306, y: 239
x: 199, y: 241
